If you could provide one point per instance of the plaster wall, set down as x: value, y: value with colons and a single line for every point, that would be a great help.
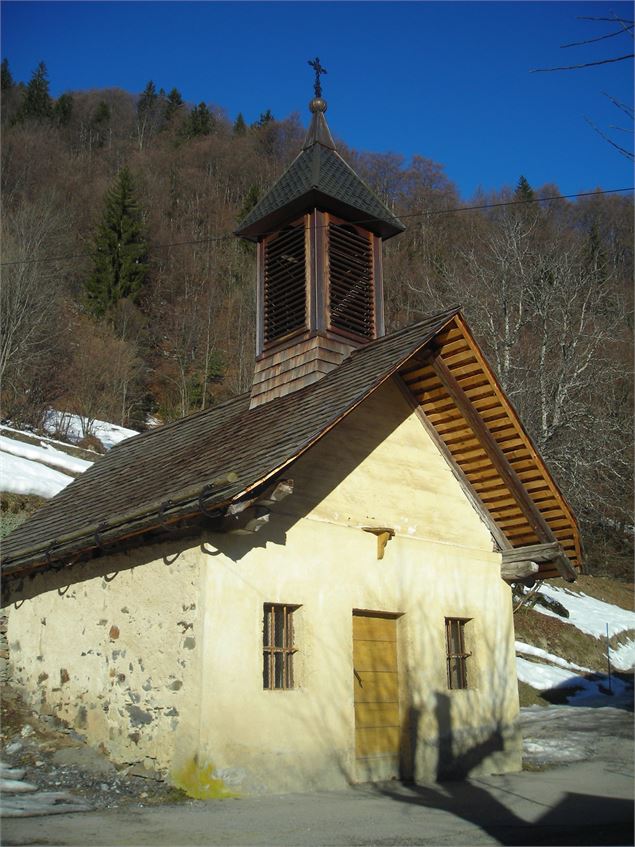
x: 162, y: 664
x: 116, y: 655
x: 378, y: 468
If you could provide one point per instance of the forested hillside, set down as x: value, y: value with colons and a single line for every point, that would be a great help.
x: 125, y: 294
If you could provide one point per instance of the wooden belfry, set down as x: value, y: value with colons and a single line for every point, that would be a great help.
x: 319, y: 232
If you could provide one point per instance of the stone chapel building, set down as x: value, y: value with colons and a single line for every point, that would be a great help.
x: 307, y: 585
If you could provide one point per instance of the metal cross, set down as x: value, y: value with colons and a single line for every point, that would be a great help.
x: 317, y: 67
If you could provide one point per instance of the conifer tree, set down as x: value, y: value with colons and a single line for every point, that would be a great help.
x: 240, y: 127
x: 37, y: 100
x: 6, y: 79
x: 173, y: 104
x: 200, y: 121
x: 120, y: 263
x: 264, y: 119
x: 148, y: 99
x: 63, y: 109
x: 524, y: 191
x: 101, y: 115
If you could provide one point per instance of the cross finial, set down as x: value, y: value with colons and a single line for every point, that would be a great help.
x: 317, y: 67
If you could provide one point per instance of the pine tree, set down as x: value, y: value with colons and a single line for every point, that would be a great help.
x: 249, y: 201
x: 240, y: 127
x: 174, y: 104
x: 6, y: 80
x: 524, y: 191
x: 63, y: 109
x: 147, y: 100
x: 37, y: 100
x: 264, y: 119
x: 120, y: 262
x: 200, y: 121
x: 101, y: 115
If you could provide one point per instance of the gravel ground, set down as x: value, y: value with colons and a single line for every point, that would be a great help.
x: 56, y: 759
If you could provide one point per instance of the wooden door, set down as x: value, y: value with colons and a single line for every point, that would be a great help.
x: 376, y: 682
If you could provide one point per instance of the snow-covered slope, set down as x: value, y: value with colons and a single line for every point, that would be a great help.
x: 74, y: 428
x: 587, y: 613
x: 19, y: 475
x: 37, y: 466
x: 605, y: 630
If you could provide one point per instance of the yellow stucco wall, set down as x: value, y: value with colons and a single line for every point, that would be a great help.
x: 377, y: 468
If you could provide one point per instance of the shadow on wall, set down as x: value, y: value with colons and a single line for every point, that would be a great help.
x: 319, y: 475
x: 443, y: 734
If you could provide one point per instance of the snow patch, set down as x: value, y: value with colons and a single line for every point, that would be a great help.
x: 586, y: 613
x: 23, y: 476
x: 44, y: 453
x: 554, y: 751
x: 530, y: 650
x: 74, y: 427
x: 544, y: 677
x: 623, y: 657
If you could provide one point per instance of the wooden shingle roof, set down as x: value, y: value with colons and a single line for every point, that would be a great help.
x: 319, y: 178
x: 161, y: 474
x: 215, y: 457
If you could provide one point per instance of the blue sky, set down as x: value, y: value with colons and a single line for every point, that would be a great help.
x: 449, y: 81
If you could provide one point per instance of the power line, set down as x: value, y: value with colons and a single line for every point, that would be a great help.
x: 419, y: 214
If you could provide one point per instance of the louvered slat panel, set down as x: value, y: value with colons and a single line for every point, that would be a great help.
x: 285, y: 286
x: 351, y: 301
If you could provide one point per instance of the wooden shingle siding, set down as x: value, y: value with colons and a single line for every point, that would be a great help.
x: 460, y: 355
x: 301, y: 363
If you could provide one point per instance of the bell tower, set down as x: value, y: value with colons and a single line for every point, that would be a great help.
x: 319, y: 232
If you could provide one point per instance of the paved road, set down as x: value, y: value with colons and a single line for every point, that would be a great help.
x: 588, y: 803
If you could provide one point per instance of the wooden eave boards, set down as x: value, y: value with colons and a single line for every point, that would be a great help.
x: 489, y: 446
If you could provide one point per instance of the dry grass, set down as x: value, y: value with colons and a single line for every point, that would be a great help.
x: 15, y: 509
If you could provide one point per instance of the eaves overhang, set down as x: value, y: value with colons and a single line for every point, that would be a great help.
x: 356, y: 380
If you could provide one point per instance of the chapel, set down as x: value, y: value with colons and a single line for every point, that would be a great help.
x: 307, y: 585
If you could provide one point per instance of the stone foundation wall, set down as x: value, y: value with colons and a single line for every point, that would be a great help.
x: 116, y: 656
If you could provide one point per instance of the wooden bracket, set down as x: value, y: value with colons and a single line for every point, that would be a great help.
x: 384, y: 534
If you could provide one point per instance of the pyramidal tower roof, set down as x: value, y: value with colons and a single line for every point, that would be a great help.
x: 319, y: 178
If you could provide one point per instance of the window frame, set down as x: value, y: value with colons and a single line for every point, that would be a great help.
x: 456, y: 660
x: 286, y: 650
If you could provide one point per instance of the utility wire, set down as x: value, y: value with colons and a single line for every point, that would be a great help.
x: 423, y: 213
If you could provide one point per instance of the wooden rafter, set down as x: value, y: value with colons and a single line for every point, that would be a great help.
x: 479, y: 431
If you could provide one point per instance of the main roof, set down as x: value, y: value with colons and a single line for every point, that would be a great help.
x: 161, y: 474
x: 319, y: 178
x: 201, y: 464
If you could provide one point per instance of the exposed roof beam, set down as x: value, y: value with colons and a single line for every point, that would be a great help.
x: 501, y: 464
x: 533, y: 552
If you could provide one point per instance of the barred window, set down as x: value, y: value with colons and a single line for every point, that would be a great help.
x: 457, y: 655
x: 278, y: 646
